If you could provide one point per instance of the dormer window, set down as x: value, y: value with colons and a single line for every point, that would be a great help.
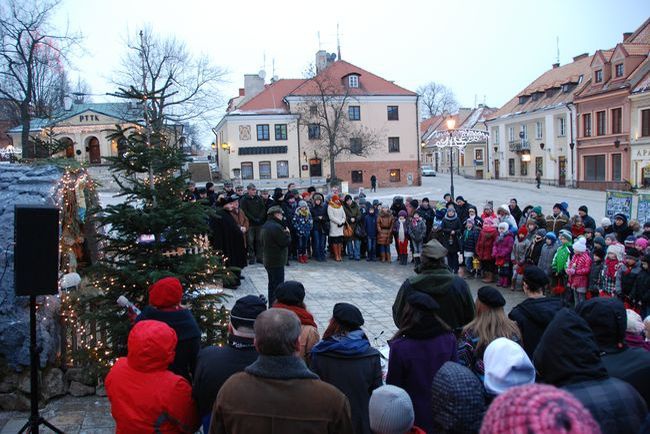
x: 619, y: 70
x: 523, y: 99
x: 537, y: 95
x: 598, y: 76
x: 353, y: 81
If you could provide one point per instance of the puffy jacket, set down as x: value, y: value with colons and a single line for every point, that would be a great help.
x: 385, y: 223
x: 469, y: 240
x: 641, y: 290
x: 581, y: 264
x: 485, y: 243
x: 352, y: 211
x: 302, y: 222
x: 336, y: 216
x: 555, y: 223
x: 370, y: 224
x: 417, y: 230
x: 519, y: 250
x: 275, y: 242
x: 546, y: 256
x: 561, y: 259
x: 451, y: 242
x: 319, y: 216
x: 502, y: 248
x: 144, y: 395
x: 254, y: 208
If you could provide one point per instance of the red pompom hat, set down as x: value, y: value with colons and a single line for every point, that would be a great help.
x: 166, y: 292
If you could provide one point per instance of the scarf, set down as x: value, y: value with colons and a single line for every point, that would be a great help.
x: 280, y: 367
x: 334, y: 204
x: 400, y: 232
x: 610, y: 267
x: 448, y: 217
x: 239, y: 342
x: 303, y: 211
x: 305, y: 317
x: 355, y: 342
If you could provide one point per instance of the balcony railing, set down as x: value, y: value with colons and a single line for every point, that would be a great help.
x: 519, y: 145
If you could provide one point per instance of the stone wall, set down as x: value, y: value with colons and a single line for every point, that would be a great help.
x: 21, y: 184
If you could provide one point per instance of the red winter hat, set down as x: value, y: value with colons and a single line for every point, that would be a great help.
x: 305, y: 194
x: 166, y: 292
x: 523, y: 231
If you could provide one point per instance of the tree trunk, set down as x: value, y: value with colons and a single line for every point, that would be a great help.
x: 28, y: 150
x: 332, y: 165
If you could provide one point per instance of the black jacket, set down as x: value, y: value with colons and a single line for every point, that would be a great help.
x: 451, y: 242
x: 568, y: 357
x: 187, y: 332
x: 589, y: 222
x: 532, y: 316
x: 275, y: 241
x: 356, y: 376
x: 215, y: 365
x: 641, y: 290
x: 226, y: 236
x: 608, y: 321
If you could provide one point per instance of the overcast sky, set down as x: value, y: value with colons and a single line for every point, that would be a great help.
x: 481, y: 49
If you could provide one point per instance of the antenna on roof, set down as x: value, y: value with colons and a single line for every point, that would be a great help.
x: 475, y: 99
x: 264, y: 60
x: 273, y: 67
x: 319, y: 44
x: 557, y: 43
x: 338, y: 42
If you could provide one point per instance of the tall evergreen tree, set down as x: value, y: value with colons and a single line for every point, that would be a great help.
x: 153, y: 233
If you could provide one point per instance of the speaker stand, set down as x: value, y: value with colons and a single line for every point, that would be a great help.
x: 35, y: 419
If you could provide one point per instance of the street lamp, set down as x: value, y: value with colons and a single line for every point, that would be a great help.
x: 451, y: 123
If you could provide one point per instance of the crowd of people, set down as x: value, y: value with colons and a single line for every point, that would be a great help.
x: 572, y: 357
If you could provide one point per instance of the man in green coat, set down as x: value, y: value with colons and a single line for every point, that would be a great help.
x: 275, y: 241
x: 254, y: 208
x: 436, y: 280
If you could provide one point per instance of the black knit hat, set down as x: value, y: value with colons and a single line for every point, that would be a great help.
x: 246, y: 310
x: 422, y: 301
x: 490, y: 296
x: 584, y: 209
x: 348, y: 315
x: 414, y: 203
x: 535, y: 277
x: 290, y: 292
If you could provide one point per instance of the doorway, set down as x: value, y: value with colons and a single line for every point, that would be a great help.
x: 315, y: 167
x: 94, y: 154
x: 562, y: 174
x: 496, y: 169
x: 69, y: 147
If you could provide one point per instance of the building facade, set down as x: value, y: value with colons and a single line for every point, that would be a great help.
x: 85, y: 127
x: 285, y: 130
x: 534, y: 133
x: 604, y: 113
x: 640, y: 133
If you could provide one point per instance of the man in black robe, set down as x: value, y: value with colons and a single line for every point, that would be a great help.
x: 226, y: 234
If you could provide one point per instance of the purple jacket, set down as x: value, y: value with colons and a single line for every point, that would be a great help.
x: 502, y: 248
x: 412, y: 364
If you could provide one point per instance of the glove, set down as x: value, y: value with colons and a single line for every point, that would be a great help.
x: 570, y: 271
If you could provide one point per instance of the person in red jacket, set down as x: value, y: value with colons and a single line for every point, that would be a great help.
x: 144, y: 395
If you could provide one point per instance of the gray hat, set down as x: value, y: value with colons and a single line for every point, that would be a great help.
x: 390, y: 410
x: 274, y: 209
x: 434, y: 250
x: 250, y: 186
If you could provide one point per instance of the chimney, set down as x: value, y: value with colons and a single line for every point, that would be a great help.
x: 253, y: 84
x: 626, y: 36
x: 580, y: 56
x: 556, y: 65
x: 241, y: 91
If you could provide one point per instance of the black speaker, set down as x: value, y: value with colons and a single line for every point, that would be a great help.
x: 36, y: 253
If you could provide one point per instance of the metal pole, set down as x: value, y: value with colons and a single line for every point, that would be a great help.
x: 451, y: 166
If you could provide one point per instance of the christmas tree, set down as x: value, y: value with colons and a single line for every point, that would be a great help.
x: 152, y: 234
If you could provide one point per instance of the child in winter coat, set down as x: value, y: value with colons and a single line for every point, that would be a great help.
x: 578, y: 270
x: 521, y: 246
x: 502, y: 251
x: 548, y: 253
x: 370, y: 224
x: 595, y: 273
x: 641, y: 292
x: 302, y: 224
x: 560, y: 262
x: 417, y: 232
x: 385, y: 223
x: 469, y: 240
x: 400, y: 232
x: 613, y: 262
x: 627, y: 274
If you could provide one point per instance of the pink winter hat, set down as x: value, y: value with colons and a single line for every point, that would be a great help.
x: 641, y: 243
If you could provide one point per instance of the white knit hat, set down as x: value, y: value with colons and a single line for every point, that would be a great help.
x: 504, y: 225
x: 390, y: 410
x: 634, y: 322
x: 506, y: 365
x: 580, y: 245
x: 605, y: 222
x: 617, y: 249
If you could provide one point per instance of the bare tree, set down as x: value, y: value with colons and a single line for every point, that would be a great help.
x: 32, y: 55
x: 324, y: 110
x: 436, y: 99
x: 186, y: 86
x: 81, y: 91
x: 192, y: 138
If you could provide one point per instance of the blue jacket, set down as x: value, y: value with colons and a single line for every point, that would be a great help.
x: 370, y: 221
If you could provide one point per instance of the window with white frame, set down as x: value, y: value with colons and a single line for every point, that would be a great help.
x: 539, y: 133
x: 353, y: 81
x: 511, y: 134
x: 496, y: 135
x: 524, y: 129
x: 562, y: 127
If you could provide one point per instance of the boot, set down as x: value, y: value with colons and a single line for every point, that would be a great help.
x: 339, y: 250
x: 405, y: 259
x: 488, y: 277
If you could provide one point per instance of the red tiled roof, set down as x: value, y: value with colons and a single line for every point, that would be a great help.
x: 642, y: 34
x: 637, y: 49
x: 643, y: 85
x: 553, y: 78
x: 369, y: 83
x: 430, y: 122
x: 272, y: 97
